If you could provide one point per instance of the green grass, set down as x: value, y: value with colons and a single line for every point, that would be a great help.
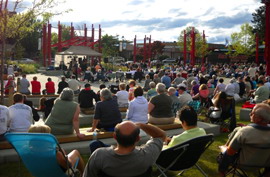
x: 207, y: 162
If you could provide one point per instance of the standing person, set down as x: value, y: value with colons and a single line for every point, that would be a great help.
x: 138, y: 107
x: 64, y: 118
x: 74, y: 84
x: 252, y: 71
x: 85, y: 99
x: 4, y: 121
x: 10, y: 83
x: 50, y: 87
x: 107, y: 113
x: 24, y: 83
x: 36, y: 86
x: 62, y: 84
x: 21, y: 116
x: 122, y: 96
x: 127, y: 159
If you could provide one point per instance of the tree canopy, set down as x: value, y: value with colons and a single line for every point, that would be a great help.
x: 258, y: 22
x: 110, y: 46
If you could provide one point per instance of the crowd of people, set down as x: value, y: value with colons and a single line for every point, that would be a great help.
x: 167, y: 94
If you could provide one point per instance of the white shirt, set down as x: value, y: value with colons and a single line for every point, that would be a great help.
x: 4, y: 119
x: 184, y: 99
x: 21, y: 117
x: 230, y: 89
x: 252, y: 72
x: 122, y: 98
x: 74, y: 84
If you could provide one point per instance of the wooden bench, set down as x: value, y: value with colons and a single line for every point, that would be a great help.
x: 89, y: 135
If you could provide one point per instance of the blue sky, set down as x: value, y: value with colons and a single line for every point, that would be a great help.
x: 163, y: 19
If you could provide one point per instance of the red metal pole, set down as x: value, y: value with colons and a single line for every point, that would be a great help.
x: 185, y: 47
x: 59, y: 37
x: 134, y: 50
x: 72, y: 31
x: 257, y: 48
x: 144, y: 49
x: 150, y: 51
x: 85, y: 35
x: 1, y: 5
x: 49, y: 43
x: 267, y: 36
x: 44, y: 34
x: 99, y: 42
x: 93, y: 35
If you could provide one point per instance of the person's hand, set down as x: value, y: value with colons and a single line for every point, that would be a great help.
x: 80, y: 136
x: 90, y: 130
x: 168, y: 140
x: 223, y: 148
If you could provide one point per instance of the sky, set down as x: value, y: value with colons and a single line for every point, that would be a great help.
x: 162, y: 19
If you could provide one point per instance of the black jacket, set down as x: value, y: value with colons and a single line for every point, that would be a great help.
x: 86, y: 98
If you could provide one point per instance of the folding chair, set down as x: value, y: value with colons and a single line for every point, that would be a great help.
x: 184, y: 156
x: 241, y: 169
x: 38, y: 153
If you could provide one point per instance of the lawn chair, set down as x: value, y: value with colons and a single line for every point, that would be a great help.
x: 38, y: 153
x: 184, y: 156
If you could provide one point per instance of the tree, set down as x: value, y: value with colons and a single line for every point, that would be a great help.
x: 243, y: 42
x: 157, y: 48
x: 200, y: 45
x: 110, y: 46
x: 258, y: 22
x: 15, y: 25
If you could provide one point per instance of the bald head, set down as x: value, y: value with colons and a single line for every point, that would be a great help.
x: 262, y: 110
x: 126, y: 133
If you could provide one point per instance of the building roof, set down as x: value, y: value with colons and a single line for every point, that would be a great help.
x: 80, y: 50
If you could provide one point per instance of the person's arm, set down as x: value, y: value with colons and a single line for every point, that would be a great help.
x: 152, y: 130
x: 94, y: 125
x: 130, y: 111
x: 76, y: 123
x: 151, y: 106
x: 196, y: 96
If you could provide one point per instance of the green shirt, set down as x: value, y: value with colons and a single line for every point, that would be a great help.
x: 186, y: 135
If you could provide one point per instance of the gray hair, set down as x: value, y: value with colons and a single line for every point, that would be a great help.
x: 152, y: 84
x: 67, y: 94
x: 263, y: 111
x: 106, y: 94
x: 193, y: 82
x: 161, y: 88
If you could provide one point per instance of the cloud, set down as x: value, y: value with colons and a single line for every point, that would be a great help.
x: 217, y: 39
x: 127, y: 12
x: 136, y: 2
x: 179, y: 12
x: 229, y: 22
x: 208, y: 11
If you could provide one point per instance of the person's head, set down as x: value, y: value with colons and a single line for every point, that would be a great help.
x: 42, y: 101
x: 152, y: 85
x: 147, y: 76
x: 214, y: 77
x: 260, y: 114
x: 73, y: 77
x: 260, y: 83
x: 221, y: 80
x: 132, y: 83
x: 39, y: 129
x: 122, y: 86
x: 161, y: 88
x: 67, y: 94
x: 126, y: 134
x: 155, y: 76
x: 102, y: 86
x: 34, y: 78
x: 181, y: 88
x: 171, y: 91
x: 49, y: 79
x: 23, y: 75
x: 138, y: 91
x: 18, y: 98
x: 105, y: 94
x: 188, y: 116
x: 10, y: 77
x: 232, y: 81
x: 87, y: 86
x: 63, y: 78
x: 203, y: 87
x: 193, y: 82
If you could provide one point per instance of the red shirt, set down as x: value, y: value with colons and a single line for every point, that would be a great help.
x: 35, y: 87
x: 50, y: 87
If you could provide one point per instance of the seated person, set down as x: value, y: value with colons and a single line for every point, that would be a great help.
x: 48, y: 106
x: 107, y: 113
x: 61, y: 155
x: 122, y: 96
x: 219, y: 101
x: 188, y: 118
x: 132, y: 84
x: 138, y: 107
x: 247, y: 139
x: 42, y: 104
x: 183, y: 96
x: 203, y: 93
x: 126, y: 159
x: 20, y: 115
x: 146, y: 83
x: 176, y: 101
x: 85, y: 99
x: 261, y: 93
x: 152, y: 92
x: 64, y: 118
x: 101, y: 86
x: 159, y: 107
x: 34, y: 111
x: 195, y: 88
x: 4, y: 120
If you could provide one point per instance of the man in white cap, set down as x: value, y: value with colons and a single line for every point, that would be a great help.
x: 184, y: 97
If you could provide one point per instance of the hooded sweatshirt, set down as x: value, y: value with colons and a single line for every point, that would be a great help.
x: 138, y: 110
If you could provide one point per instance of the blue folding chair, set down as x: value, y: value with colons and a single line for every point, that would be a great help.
x: 38, y: 153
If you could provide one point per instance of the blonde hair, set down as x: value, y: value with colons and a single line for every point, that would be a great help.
x: 39, y: 129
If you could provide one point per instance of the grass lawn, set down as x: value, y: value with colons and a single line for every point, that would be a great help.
x: 207, y: 161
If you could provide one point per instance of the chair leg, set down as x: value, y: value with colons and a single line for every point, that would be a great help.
x: 179, y: 174
x: 161, y: 171
x: 200, y: 169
